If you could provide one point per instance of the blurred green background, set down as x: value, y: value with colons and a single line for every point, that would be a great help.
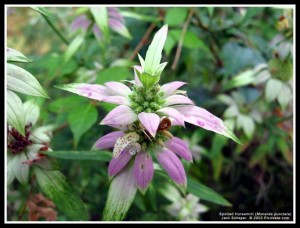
x: 237, y: 62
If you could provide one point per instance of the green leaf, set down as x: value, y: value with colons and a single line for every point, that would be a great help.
x: 170, y: 44
x: 15, y: 112
x: 73, y: 47
x: 146, y: 79
x: 139, y: 16
x: 205, y: 193
x: 273, y: 88
x: 247, y: 123
x: 285, y: 96
x: 245, y: 78
x: 121, y: 194
x: 237, y: 57
x: 13, y: 55
x: 191, y: 40
x: 93, y: 155
x: 20, y: 171
x: 122, y: 63
x: 22, y: 81
x: 231, y: 111
x: 113, y: 74
x: 226, y: 99
x: 176, y: 16
x: 259, y: 154
x: 216, y: 154
x: 43, y: 11
x: 55, y: 186
x: 153, y: 55
x: 81, y: 120
x: 285, y: 151
x: 66, y: 104
x: 210, y: 11
x: 229, y: 133
x: 100, y: 15
x: 151, y: 195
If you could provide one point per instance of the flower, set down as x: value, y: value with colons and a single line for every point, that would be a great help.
x: 24, y: 151
x: 115, y: 21
x: 144, y: 114
x: 149, y: 106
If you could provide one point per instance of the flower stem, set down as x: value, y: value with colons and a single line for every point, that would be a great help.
x: 56, y: 30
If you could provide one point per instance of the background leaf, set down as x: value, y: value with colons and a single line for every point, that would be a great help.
x: 54, y: 185
x: 176, y: 16
x: 113, y: 74
x: 82, y: 119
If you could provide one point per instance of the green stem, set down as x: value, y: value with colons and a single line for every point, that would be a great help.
x: 56, y: 30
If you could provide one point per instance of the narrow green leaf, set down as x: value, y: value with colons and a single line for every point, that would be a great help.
x: 153, y: 55
x: 160, y: 69
x: 121, y: 194
x: 81, y: 120
x: 259, y: 154
x: 100, y: 15
x: 22, y: 81
x: 245, y: 78
x: 55, y: 186
x: 45, y: 12
x: 15, y: 112
x: 176, y: 16
x: 142, y: 61
x: 13, y: 55
x: 151, y: 195
x: 285, y: 151
x: 73, y: 47
x: 229, y: 133
x: 205, y: 193
x: 210, y: 11
x: 93, y: 155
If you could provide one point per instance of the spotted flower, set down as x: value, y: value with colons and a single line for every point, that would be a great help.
x: 145, y: 113
x: 24, y: 151
x: 115, y: 21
